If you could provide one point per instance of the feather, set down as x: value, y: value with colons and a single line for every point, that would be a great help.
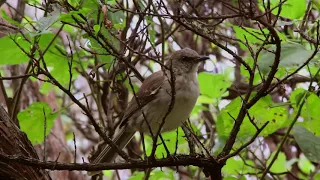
x: 109, y: 154
x: 146, y: 94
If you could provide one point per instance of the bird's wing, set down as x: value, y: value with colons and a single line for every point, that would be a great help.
x: 147, y: 93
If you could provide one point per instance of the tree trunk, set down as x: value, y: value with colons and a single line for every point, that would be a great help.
x: 15, y: 142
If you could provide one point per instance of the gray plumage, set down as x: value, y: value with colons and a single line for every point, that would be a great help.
x: 154, y: 97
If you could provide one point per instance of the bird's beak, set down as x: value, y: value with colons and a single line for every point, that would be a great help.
x: 202, y: 58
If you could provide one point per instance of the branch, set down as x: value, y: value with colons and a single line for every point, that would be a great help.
x: 181, y: 160
x: 236, y: 152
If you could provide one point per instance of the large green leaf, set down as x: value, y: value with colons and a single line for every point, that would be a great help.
x: 11, y: 53
x: 235, y: 166
x: 292, y: 9
x: 156, y: 174
x: 292, y: 55
x: 213, y: 85
x: 44, y: 24
x: 71, y: 15
x: 309, y: 111
x: 170, y: 139
x: 262, y: 112
x: 9, y: 19
x: 305, y: 165
x: 252, y: 36
x: 246, y: 74
x: 265, y: 110
x: 57, y: 64
x: 32, y: 121
x: 137, y: 175
x: 308, y: 143
x: 279, y: 164
x: 225, y: 120
x: 159, y: 174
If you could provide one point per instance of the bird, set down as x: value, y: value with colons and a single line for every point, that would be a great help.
x: 150, y: 105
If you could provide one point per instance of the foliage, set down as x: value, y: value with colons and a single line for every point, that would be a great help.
x: 35, y: 119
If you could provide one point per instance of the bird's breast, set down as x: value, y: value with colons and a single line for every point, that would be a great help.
x: 186, y: 95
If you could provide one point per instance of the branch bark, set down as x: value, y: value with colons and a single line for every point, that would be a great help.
x: 13, y: 142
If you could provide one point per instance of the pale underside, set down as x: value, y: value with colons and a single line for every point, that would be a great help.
x: 155, y: 111
x: 155, y: 98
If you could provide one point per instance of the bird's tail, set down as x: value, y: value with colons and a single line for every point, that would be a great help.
x: 109, y: 154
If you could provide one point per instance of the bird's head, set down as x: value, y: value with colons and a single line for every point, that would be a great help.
x: 185, y: 61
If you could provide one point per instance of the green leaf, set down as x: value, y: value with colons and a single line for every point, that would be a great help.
x: 246, y: 74
x: 107, y: 173
x: 116, y: 17
x: 34, y: 2
x: 158, y: 174
x: 317, y: 176
x: 57, y: 63
x: 152, y: 32
x: 235, y: 166
x: 96, y: 29
x: 137, y: 176
x: 46, y: 88
x: 119, y: 26
x: 32, y: 121
x: 43, y: 24
x: 226, y: 118
x: 297, y: 96
x: 292, y: 9
x: 111, y: 2
x: 95, y: 46
x: 197, y: 109
x: 10, y: 20
x: 69, y: 17
x: 308, y: 143
x: 11, y: 53
x: 309, y: 111
x: 134, y: 86
x: 170, y: 139
x: 213, y: 85
x: 305, y: 165
x: 203, y: 99
x: 279, y: 164
x: 234, y: 178
x: 74, y: 3
x: 261, y: 113
x: 292, y: 55
x: 264, y: 111
x: 252, y: 36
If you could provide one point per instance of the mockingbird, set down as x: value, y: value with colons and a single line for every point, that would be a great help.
x: 154, y: 99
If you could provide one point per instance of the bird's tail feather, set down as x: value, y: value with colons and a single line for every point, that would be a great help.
x: 109, y: 154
